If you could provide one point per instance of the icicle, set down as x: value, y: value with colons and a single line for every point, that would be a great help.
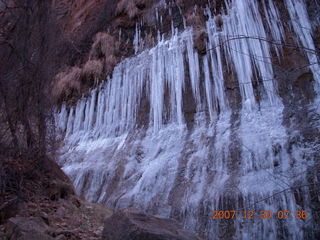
x: 157, y: 15
x: 87, y: 113
x: 120, y: 34
x: 70, y: 122
x: 62, y: 117
x: 220, y: 101
x: 157, y: 88
x: 244, y: 39
x: 303, y: 29
x: 176, y: 78
x: 208, y: 87
x: 274, y: 24
x: 100, y: 109
x: 137, y: 38
x: 194, y: 69
x: 92, y: 109
x: 79, y: 115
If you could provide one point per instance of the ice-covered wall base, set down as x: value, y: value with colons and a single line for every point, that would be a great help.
x: 180, y: 134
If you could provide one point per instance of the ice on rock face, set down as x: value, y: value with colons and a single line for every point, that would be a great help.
x: 302, y: 26
x: 131, y: 143
x: 243, y: 37
x: 274, y: 24
x: 61, y: 118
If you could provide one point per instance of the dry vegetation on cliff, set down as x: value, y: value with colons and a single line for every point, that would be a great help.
x: 73, y: 81
x: 105, y: 48
x: 196, y: 19
x: 93, y: 70
x: 132, y: 7
x: 67, y: 83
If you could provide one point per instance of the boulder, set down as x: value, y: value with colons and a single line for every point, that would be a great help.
x: 130, y: 224
x: 26, y: 228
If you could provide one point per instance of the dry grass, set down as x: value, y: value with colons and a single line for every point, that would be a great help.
x: 92, y: 71
x: 149, y: 40
x: 127, y: 7
x: 131, y: 7
x: 74, y: 80
x: 67, y: 82
x: 93, y: 68
x: 103, y: 46
x: 110, y: 63
x: 197, y: 20
x: 103, y: 49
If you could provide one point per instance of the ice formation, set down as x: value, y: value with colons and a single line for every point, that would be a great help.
x: 130, y: 142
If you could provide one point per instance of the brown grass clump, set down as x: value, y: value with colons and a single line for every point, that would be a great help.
x: 127, y: 7
x: 197, y: 20
x: 103, y: 46
x: 93, y: 67
x: 149, y: 40
x: 110, y: 62
x: 73, y: 81
x: 92, y: 71
x: 67, y: 83
x: 131, y: 7
x: 104, y: 49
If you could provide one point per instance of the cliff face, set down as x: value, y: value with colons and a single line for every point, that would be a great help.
x: 180, y: 108
x: 99, y: 34
x: 216, y: 109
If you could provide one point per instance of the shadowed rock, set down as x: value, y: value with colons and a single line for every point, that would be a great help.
x: 26, y: 228
x: 132, y: 224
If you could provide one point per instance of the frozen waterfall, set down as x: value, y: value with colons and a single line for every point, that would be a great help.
x: 162, y: 134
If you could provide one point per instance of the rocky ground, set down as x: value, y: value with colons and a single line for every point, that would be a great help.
x: 61, y: 219
x: 38, y: 202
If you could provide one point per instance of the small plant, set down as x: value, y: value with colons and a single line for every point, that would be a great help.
x: 92, y: 71
x: 103, y: 46
x: 67, y: 82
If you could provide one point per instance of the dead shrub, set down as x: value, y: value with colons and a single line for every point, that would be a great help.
x: 197, y: 20
x: 67, y: 83
x: 92, y: 71
x: 110, y: 63
x: 104, y: 49
x: 149, y: 40
x: 127, y: 7
x: 60, y: 189
x: 131, y: 7
x: 103, y: 46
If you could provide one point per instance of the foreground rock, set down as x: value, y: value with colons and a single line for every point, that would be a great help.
x: 131, y: 224
x: 24, y: 228
x: 62, y: 219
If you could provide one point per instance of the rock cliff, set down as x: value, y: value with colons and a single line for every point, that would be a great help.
x: 177, y: 108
